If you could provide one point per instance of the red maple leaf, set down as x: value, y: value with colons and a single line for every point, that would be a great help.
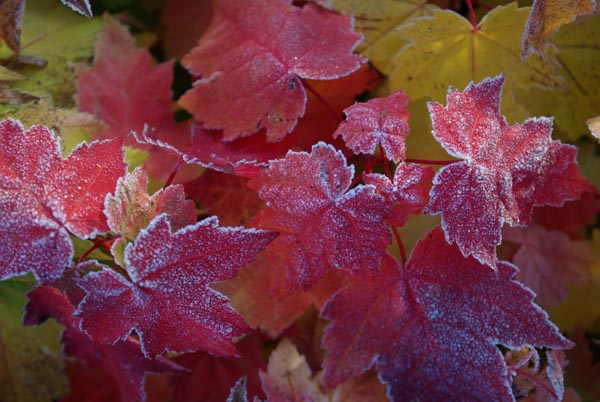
x: 144, y: 101
x: 407, y: 193
x: 382, y: 121
x: 549, y: 261
x: 212, y: 377
x: 44, y: 197
x: 570, y: 217
x: 252, y: 59
x: 252, y: 296
x: 168, y: 301
x: 123, y: 365
x: 121, y: 68
x: 123, y: 87
x: 322, y: 222
x: 225, y: 196
x: 432, y: 328
x: 505, y: 172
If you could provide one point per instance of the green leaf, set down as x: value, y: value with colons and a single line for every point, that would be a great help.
x: 30, y: 367
x: 56, y: 37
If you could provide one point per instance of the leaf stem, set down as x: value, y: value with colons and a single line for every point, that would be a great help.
x: 176, y: 169
x: 472, y: 14
x: 322, y: 100
x: 400, y: 245
x: 430, y: 162
x: 98, y: 242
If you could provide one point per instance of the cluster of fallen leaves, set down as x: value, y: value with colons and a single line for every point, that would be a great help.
x: 311, y: 284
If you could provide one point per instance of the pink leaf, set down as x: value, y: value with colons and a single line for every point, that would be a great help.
x: 252, y: 59
x: 407, y: 194
x: 505, y: 172
x: 433, y: 327
x: 168, y: 301
x: 322, y: 222
x: 212, y: 377
x: 251, y: 295
x: 382, y: 121
x: 43, y: 196
x: 123, y: 364
x: 144, y: 90
x: 549, y: 261
x: 225, y: 196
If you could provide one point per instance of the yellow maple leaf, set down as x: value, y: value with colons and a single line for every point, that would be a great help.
x: 445, y: 50
x: 546, y: 17
x: 378, y: 20
x: 578, y: 47
x: 594, y: 126
x: 54, y: 38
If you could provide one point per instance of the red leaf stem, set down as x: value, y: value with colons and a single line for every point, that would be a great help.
x: 400, y: 245
x: 472, y: 14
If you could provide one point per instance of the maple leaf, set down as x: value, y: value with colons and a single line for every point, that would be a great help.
x: 382, y: 121
x: 131, y: 208
x: 379, y: 21
x: 123, y: 365
x: 432, y: 327
x: 570, y: 217
x: 549, y: 260
x: 252, y: 296
x: 325, y: 104
x: 11, y: 20
x: 505, y: 172
x: 446, y: 50
x: 546, y: 17
x: 225, y: 196
x: 288, y: 377
x: 212, y: 377
x: 408, y: 193
x: 321, y: 221
x: 48, y: 51
x: 571, y: 106
x: 121, y: 68
x: 168, y: 302
x: 71, y: 126
x: 277, y: 45
x: 209, y: 150
x: 43, y: 197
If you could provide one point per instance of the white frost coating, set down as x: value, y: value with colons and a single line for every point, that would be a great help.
x: 169, y: 293
x: 81, y: 6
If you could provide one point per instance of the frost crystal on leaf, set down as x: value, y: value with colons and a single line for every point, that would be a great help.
x: 505, y: 170
x: 168, y: 301
x: 252, y: 59
x: 43, y: 197
x: 322, y: 222
x: 432, y: 328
